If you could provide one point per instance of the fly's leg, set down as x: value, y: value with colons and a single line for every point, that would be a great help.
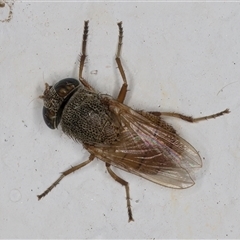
x: 123, y: 91
x: 64, y: 174
x: 189, y: 118
x: 126, y: 185
x: 83, y: 56
x: 120, y: 98
x: 157, y: 120
x: 84, y: 46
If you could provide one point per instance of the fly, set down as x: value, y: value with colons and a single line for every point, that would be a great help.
x: 139, y: 142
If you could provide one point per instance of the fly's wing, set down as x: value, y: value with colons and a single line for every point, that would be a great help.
x: 149, y: 151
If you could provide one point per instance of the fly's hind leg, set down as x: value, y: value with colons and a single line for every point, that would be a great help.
x: 123, y: 91
x: 83, y: 56
x: 157, y: 120
x: 64, y: 174
x: 126, y: 185
x: 189, y: 118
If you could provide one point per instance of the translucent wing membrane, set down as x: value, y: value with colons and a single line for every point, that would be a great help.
x: 149, y: 151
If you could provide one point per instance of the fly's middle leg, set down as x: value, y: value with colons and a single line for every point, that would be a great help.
x: 123, y: 91
x: 126, y: 185
x: 121, y: 96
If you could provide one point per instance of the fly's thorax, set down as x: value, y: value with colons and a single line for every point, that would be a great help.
x: 87, y: 119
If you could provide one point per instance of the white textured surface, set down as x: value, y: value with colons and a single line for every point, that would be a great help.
x: 181, y: 57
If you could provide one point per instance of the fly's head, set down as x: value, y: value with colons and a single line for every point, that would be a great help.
x: 55, y: 98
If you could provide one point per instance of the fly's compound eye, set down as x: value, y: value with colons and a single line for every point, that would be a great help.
x: 65, y: 87
x: 50, y: 118
x: 56, y: 98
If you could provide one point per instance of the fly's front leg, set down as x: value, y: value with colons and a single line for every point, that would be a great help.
x: 189, y: 118
x: 126, y: 185
x: 64, y: 174
x: 84, y: 46
x: 83, y: 56
x: 123, y: 91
